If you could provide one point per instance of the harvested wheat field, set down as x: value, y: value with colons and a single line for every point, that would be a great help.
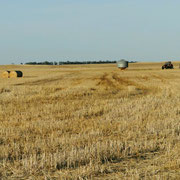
x: 90, y: 122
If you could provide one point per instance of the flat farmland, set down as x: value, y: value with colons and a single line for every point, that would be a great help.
x: 90, y: 122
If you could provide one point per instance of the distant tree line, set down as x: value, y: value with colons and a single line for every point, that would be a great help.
x: 42, y: 63
x: 73, y: 62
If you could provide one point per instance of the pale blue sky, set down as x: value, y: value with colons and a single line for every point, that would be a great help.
x: 60, y: 30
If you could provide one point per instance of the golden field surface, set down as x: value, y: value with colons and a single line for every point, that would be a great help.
x: 90, y: 122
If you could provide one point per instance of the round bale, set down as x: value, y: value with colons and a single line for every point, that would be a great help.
x: 16, y: 74
x: 6, y: 74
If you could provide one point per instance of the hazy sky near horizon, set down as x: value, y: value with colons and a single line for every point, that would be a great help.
x: 61, y: 30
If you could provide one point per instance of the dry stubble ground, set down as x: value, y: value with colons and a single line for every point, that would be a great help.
x: 90, y: 122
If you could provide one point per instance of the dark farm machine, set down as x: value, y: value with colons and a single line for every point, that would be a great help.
x: 168, y: 65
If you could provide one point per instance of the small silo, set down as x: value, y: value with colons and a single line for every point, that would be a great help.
x: 122, y: 64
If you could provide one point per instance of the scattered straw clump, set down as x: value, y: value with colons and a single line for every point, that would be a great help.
x: 132, y: 88
x: 15, y: 74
